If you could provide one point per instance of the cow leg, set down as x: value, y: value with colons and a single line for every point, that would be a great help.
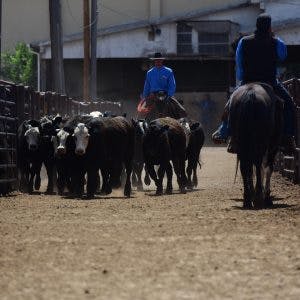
x: 161, y: 173
x: 139, y: 170
x: 24, y: 176
x: 127, y: 187
x: 37, y: 171
x: 134, y: 174
x: 189, y: 171
x: 98, y: 183
x: 147, y: 179
x: 106, y: 188
x: 259, y: 193
x: 49, y: 165
x: 153, y: 175
x: 180, y: 173
x: 246, y: 171
x: 169, y: 172
x: 92, y: 179
x: 61, y: 176
x: 195, y: 178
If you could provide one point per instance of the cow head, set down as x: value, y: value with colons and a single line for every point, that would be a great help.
x: 140, y: 127
x: 32, y: 136
x: 81, y: 136
x: 60, y: 142
x: 96, y: 114
x: 186, y: 126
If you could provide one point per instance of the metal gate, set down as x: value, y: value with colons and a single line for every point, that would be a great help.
x: 8, y: 139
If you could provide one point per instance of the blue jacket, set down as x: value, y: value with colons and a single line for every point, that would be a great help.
x: 281, y: 50
x: 159, y: 79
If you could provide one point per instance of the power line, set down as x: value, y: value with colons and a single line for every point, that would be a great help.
x: 76, y: 21
x: 119, y: 12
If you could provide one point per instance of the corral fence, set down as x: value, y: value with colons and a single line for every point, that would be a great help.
x: 19, y: 103
x: 289, y: 166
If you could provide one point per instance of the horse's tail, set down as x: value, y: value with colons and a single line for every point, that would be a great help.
x: 253, y: 126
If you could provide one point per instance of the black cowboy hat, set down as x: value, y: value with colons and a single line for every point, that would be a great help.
x: 157, y: 55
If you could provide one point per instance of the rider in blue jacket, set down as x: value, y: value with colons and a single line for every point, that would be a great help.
x: 159, y: 78
x: 257, y: 56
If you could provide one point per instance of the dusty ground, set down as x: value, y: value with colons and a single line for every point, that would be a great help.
x: 201, y: 245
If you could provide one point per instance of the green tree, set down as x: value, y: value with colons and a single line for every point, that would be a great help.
x: 18, y: 66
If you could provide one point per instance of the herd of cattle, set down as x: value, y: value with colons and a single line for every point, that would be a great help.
x: 76, y: 150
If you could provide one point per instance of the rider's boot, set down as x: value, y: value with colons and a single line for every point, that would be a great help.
x: 221, y: 134
x: 232, y: 146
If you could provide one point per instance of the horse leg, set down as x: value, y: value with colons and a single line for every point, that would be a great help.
x: 259, y: 193
x: 268, y: 200
x: 246, y: 171
x: 169, y: 172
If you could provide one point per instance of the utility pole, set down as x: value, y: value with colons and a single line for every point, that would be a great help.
x: 94, y: 20
x: 58, y: 76
x: 86, y: 59
x: 0, y: 36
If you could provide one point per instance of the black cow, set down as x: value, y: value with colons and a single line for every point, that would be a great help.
x: 29, y: 156
x: 70, y: 167
x: 165, y: 141
x: 35, y: 147
x: 110, y: 145
x: 195, y: 140
x: 140, y: 127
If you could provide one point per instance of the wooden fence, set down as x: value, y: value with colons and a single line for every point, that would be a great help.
x: 19, y: 103
x: 8, y: 138
x: 289, y: 166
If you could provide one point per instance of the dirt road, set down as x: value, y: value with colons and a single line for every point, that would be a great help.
x: 201, y: 245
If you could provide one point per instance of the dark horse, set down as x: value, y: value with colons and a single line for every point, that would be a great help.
x: 162, y: 106
x: 256, y: 125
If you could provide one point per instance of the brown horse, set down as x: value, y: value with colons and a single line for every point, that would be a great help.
x: 255, y: 120
x: 162, y: 106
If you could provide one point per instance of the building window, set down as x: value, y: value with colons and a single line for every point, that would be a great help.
x: 206, y: 38
x: 184, y: 38
x: 213, y: 43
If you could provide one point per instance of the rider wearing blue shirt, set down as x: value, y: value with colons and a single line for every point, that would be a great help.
x: 257, y: 56
x: 159, y: 78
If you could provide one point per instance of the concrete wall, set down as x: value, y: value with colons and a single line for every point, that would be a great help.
x: 134, y: 43
x: 28, y: 20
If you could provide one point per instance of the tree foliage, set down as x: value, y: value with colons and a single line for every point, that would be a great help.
x: 18, y: 66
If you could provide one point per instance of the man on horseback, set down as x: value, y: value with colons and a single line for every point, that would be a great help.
x: 256, y: 61
x: 159, y: 89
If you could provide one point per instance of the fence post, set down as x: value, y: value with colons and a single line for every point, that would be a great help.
x: 19, y: 93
